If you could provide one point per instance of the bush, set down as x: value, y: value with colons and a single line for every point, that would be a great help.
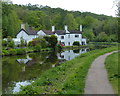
x: 11, y: 44
x: 20, y: 51
x: 12, y: 52
x: 37, y: 48
x: 5, y: 52
x: 77, y: 43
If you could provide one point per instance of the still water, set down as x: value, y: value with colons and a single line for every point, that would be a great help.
x: 22, y: 69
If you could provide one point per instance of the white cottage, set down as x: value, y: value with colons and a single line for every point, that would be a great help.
x: 65, y: 36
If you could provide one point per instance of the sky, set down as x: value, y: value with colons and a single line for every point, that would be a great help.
x: 106, y: 7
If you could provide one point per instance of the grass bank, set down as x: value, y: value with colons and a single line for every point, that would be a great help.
x: 21, y: 51
x: 111, y: 65
x: 68, y: 78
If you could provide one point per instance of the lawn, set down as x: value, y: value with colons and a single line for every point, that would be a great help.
x: 111, y: 65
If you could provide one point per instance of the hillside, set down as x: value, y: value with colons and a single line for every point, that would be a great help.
x: 43, y: 17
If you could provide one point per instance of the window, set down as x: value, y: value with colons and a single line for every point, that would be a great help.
x: 62, y: 56
x: 76, y: 36
x: 62, y: 37
x: 63, y: 43
x: 69, y: 43
x: 68, y: 36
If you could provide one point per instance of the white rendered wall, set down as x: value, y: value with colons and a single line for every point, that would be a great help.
x: 70, y: 38
x: 25, y: 36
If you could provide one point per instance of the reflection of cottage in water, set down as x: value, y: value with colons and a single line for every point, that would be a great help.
x: 25, y: 61
x: 71, y: 54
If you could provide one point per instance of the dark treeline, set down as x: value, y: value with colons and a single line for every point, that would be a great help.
x: 95, y: 27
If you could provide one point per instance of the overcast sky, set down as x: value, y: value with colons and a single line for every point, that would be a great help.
x: 95, y: 6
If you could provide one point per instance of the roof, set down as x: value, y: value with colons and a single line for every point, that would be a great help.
x: 30, y: 31
x: 49, y: 32
x: 60, y: 32
x: 75, y: 32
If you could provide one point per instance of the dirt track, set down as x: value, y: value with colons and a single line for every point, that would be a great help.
x: 97, y: 80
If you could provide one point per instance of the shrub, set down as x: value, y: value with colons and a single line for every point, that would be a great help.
x: 77, y: 43
x: 5, y: 52
x: 20, y: 51
x: 37, y: 48
x: 11, y: 44
x: 12, y: 52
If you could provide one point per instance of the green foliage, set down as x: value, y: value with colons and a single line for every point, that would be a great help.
x: 37, y: 48
x: 77, y: 43
x: 88, y: 33
x: 12, y: 52
x: 11, y: 44
x: 70, y: 21
x: 52, y: 40
x: 111, y: 64
x: 68, y: 78
x: 4, y: 43
x: 20, y: 51
x: 102, y: 37
x: 22, y: 42
x: 42, y: 17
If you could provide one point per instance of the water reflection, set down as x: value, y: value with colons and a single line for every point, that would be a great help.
x: 19, y: 70
x: 71, y: 54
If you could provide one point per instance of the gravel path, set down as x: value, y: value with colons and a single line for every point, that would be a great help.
x: 97, y: 80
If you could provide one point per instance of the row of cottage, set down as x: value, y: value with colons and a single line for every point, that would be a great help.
x: 66, y: 37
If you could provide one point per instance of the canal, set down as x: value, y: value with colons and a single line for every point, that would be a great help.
x: 23, y: 69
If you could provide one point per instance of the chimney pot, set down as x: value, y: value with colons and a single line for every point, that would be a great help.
x: 22, y: 26
x: 53, y: 28
x: 66, y: 28
x: 81, y: 28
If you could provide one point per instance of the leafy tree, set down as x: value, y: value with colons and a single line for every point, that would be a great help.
x: 88, y: 33
x: 70, y: 21
x: 52, y: 40
x: 88, y: 21
x: 102, y: 37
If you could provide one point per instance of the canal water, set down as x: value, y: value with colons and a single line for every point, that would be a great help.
x: 22, y: 69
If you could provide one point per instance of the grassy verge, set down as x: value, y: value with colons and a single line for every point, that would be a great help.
x: 68, y: 78
x: 22, y: 51
x: 111, y: 65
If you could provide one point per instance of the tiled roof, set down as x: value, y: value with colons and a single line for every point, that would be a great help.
x: 75, y: 32
x: 60, y: 32
x: 31, y: 31
x: 49, y: 32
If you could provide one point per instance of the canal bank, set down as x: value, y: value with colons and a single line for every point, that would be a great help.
x: 68, y: 78
x: 22, y: 69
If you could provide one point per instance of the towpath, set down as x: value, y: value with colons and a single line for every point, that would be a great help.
x: 97, y: 78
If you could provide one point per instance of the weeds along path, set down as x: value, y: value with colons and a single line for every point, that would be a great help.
x: 97, y: 79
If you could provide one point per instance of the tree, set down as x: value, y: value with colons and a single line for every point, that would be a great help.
x: 102, y: 37
x: 88, y: 33
x: 52, y: 40
x: 70, y: 21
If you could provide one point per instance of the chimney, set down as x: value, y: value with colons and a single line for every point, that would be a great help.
x: 66, y: 28
x: 81, y: 28
x: 53, y: 28
x: 22, y: 26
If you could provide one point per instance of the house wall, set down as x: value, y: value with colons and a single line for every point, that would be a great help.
x: 69, y: 39
x: 25, y: 36
x: 41, y: 33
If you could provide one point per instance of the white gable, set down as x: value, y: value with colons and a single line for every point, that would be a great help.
x: 41, y: 33
x: 22, y: 33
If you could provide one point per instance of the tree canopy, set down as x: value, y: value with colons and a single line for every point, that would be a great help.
x: 43, y: 17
